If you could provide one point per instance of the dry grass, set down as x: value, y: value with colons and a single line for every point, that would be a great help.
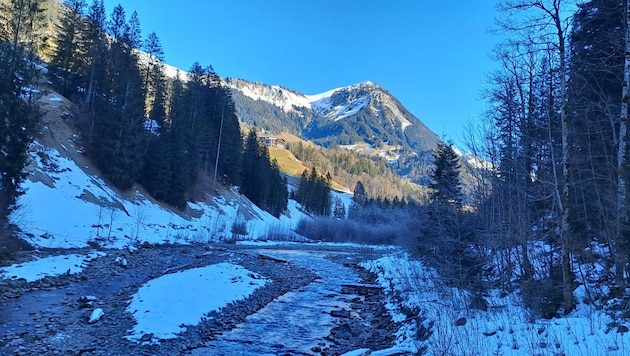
x: 287, y: 161
x: 291, y: 165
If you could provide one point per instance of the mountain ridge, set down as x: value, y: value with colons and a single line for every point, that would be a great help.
x: 364, y: 114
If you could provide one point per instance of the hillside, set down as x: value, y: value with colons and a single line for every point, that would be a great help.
x: 62, y: 182
x: 364, y: 118
x: 346, y: 167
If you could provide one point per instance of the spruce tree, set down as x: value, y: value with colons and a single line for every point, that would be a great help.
x: 261, y: 180
x: 314, y: 192
x: 446, y: 187
x: 598, y: 95
x: 117, y: 142
x: 96, y: 46
x: 68, y: 57
x: 18, y: 116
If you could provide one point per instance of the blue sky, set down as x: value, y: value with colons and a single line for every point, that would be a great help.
x: 433, y: 55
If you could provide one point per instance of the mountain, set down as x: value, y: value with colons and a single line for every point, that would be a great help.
x: 363, y: 117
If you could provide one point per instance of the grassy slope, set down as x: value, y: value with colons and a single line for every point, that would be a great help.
x: 291, y: 165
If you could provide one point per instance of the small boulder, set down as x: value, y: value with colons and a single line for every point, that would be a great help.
x: 342, y: 332
x: 340, y: 313
x: 96, y: 315
x: 146, y: 337
x: 461, y: 322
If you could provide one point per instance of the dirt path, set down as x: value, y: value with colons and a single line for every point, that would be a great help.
x: 48, y: 317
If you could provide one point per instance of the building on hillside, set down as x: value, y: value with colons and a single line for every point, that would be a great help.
x: 271, y: 141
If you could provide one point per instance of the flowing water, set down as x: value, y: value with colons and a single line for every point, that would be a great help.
x: 297, y: 321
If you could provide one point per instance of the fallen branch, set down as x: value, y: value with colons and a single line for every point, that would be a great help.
x: 265, y: 257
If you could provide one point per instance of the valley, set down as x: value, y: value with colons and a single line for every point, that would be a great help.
x: 307, y: 307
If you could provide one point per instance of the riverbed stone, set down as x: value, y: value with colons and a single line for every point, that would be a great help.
x: 63, y: 315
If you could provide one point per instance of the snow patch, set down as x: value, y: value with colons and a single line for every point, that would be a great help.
x: 284, y: 98
x: 49, y: 266
x: 507, y: 328
x: 163, y: 306
x: 96, y: 315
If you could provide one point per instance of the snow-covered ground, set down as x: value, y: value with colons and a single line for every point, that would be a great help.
x: 507, y: 328
x: 48, y: 266
x: 163, y: 306
x: 64, y: 207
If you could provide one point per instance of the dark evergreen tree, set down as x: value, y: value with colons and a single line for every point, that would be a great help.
x: 446, y: 187
x: 117, y: 142
x: 95, y: 63
x: 154, y: 81
x: 68, y: 58
x: 180, y: 164
x: 278, y: 192
x: 360, y: 196
x: 339, y: 209
x: 18, y: 112
x: 251, y: 153
x: 261, y: 180
x: 448, y: 234
x: 24, y: 24
x: 359, y: 199
x: 598, y: 94
x: 314, y: 192
x: 228, y: 139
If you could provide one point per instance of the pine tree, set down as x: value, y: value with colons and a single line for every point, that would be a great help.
x: 261, y: 180
x: 18, y: 117
x: 446, y: 187
x: 339, y: 209
x: 596, y: 98
x: 117, y: 143
x: 447, y: 236
x: 278, y: 192
x: 154, y: 81
x: 95, y: 63
x: 68, y: 57
x: 359, y: 199
x: 314, y: 192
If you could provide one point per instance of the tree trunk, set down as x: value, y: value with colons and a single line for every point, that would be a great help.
x: 622, y: 216
x: 567, y: 280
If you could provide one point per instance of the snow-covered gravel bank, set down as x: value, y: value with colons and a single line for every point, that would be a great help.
x: 100, y: 310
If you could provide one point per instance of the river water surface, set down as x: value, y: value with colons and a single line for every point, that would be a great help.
x: 297, y: 321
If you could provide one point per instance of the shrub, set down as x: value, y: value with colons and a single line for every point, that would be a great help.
x: 544, y: 297
x: 334, y: 230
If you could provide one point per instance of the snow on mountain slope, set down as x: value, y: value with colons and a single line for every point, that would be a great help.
x: 318, y: 97
x: 65, y: 207
x: 276, y: 95
x: 169, y: 70
x: 332, y: 104
x: 339, y: 112
x: 66, y: 204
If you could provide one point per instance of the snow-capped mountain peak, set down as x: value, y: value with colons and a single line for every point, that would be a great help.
x: 279, y: 96
x: 344, y: 102
x: 359, y: 114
